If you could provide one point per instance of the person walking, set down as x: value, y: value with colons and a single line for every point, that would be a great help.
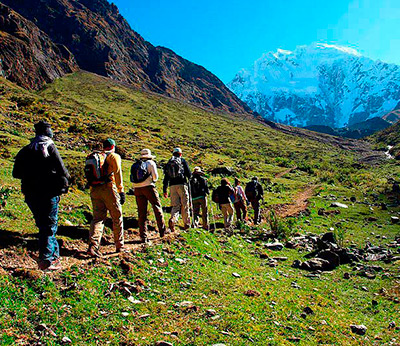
x: 254, y: 193
x: 176, y: 176
x: 240, y: 202
x: 144, y: 175
x: 224, y: 193
x: 199, y: 192
x: 43, y: 179
x: 107, y: 196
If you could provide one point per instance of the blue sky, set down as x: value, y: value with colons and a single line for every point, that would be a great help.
x: 225, y: 36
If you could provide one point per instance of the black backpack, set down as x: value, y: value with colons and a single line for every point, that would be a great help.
x: 215, y: 196
x: 175, y: 169
x: 139, y: 172
x: 251, y: 190
x: 197, y: 185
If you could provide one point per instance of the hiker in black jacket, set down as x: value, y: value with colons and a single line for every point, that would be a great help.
x: 43, y: 179
x: 225, y: 192
x: 254, y: 193
x: 176, y: 175
x: 199, y: 192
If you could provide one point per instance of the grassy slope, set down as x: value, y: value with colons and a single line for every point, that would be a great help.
x: 87, y: 108
x: 390, y: 136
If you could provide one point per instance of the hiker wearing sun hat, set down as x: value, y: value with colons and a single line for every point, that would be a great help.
x: 199, y: 192
x: 144, y: 176
x: 107, y: 196
x: 176, y: 175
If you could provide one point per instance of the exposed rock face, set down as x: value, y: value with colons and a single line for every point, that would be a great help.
x: 28, y: 56
x: 103, y: 42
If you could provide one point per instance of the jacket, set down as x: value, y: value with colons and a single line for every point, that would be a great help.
x: 41, y: 174
x: 113, y: 162
x: 224, y: 193
x: 177, y: 181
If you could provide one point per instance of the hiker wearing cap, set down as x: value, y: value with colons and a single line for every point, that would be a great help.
x: 199, y: 192
x: 254, y: 193
x: 223, y: 196
x: 43, y: 179
x: 240, y: 202
x: 144, y: 176
x: 176, y: 175
x: 107, y: 195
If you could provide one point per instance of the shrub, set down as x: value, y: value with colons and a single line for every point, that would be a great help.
x: 281, y: 229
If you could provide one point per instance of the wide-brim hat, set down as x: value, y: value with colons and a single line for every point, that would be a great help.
x: 146, y: 154
x: 197, y: 170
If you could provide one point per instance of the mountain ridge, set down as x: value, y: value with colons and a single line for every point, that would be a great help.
x: 319, y: 84
x: 103, y: 42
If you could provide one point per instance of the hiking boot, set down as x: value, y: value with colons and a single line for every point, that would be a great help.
x: 171, y: 225
x: 162, y: 233
x: 121, y: 249
x: 94, y: 252
x: 144, y: 239
x: 44, y: 264
x: 55, y: 265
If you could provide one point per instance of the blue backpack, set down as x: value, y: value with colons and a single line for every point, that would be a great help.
x: 139, y: 172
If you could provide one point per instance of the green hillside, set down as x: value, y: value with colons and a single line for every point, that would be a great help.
x: 87, y: 302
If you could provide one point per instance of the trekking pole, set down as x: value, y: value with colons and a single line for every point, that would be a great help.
x: 212, y: 213
x: 191, y: 202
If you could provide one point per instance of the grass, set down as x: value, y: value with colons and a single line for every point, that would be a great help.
x: 85, y: 109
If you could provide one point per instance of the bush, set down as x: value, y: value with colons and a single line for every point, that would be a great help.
x: 281, y: 229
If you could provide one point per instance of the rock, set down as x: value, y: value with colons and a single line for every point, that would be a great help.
x: 252, y: 293
x: 125, y: 314
x: 308, y: 310
x: 66, y: 340
x: 144, y: 316
x: 163, y: 343
x: 395, y: 219
x: 281, y: 259
x: 353, y: 199
x: 28, y: 274
x: 331, y: 257
x: 316, y: 264
x: 218, y: 345
x: 236, y: 275
x: 392, y: 325
x: 339, y: 205
x: 296, y: 264
x: 224, y: 171
x: 358, y: 329
x: 211, y: 312
x: 372, y: 219
x: 180, y: 260
x: 264, y: 256
x: 274, y: 246
x: 346, y: 276
x: 374, y: 302
x: 68, y: 223
x: 384, y: 206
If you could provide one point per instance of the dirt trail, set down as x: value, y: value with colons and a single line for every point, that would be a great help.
x: 300, y: 203
x: 281, y: 174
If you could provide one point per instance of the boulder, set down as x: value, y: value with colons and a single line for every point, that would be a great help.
x: 274, y: 246
x: 395, y: 219
x: 339, y: 205
x: 331, y: 257
x: 316, y: 264
x: 358, y: 329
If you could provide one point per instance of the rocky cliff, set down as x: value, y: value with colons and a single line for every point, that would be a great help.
x: 103, y: 42
x: 28, y: 56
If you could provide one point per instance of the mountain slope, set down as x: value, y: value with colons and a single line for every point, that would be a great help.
x: 104, y: 43
x: 319, y: 84
x: 27, y: 55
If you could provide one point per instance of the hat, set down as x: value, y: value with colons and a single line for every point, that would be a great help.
x: 177, y: 151
x: 197, y: 170
x: 42, y: 128
x: 254, y: 178
x: 108, y: 143
x: 146, y: 154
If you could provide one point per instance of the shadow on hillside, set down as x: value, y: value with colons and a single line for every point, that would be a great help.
x: 9, y: 239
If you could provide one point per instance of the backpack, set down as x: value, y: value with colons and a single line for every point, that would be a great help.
x: 197, y: 187
x: 139, y: 172
x: 251, y: 191
x: 96, y: 169
x: 174, y: 168
x: 215, y: 196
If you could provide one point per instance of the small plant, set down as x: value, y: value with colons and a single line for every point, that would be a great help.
x: 281, y: 229
x: 340, y: 234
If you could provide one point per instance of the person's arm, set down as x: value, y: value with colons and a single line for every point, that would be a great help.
x: 186, y: 168
x: 165, y: 182
x: 60, y: 168
x: 153, y: 171
x: 114, y: 166
x: 260, y: 190
x: 18, y: 169
x: 206, y: 188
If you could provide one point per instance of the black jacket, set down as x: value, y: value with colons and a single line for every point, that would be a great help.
x: 198, y: 186
x: 43, y: 176
x: 177, y: 181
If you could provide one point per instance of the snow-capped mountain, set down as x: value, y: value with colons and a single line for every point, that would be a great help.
x: 319, y: 84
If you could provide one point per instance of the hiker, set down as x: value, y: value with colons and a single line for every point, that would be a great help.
x: 144, y: 176
x: 223, y: 196
x: 254, y: 193
x: 176, y: 175
x: 199, y: 192
x: 240, y: 202
x: 107, y: 194
x: 43, y: 179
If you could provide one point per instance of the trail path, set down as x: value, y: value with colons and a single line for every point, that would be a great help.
x: 300, y: 203
x: 281, y: 174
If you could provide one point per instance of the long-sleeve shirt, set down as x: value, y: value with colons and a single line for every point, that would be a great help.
x: 240, y: 194
x: 177, y: 181
x: 114, y: 170
x: 150, y: 181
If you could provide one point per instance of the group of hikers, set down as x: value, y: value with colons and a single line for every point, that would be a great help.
x: 44, y: 178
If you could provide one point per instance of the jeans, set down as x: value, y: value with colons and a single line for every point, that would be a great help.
x: 45, y: 213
